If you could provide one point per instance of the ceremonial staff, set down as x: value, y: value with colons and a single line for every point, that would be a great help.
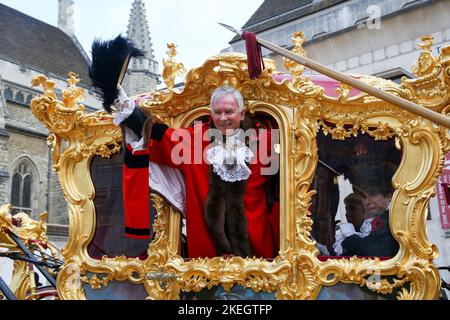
x: 397, y: 101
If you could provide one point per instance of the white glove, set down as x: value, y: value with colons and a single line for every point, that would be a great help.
x: 124, y: 106
x: 122, y: 96
x: 122, y: 102
x: 347, y: 229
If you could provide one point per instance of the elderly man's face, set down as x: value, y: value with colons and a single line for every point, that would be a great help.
x: 226, y: 115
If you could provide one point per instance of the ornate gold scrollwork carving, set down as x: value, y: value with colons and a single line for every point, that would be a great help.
x: 33, y: 234
x: 66, y: 121
x: 171, y: 68
x: 294, y: 68
x: 27, y: 229
x: 430, y: 88
x: 299, y: 83
x: 427, y: 63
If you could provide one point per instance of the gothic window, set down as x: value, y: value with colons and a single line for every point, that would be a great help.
x: 19, y: 97
x: 21, y: 189
x: 8, y: 94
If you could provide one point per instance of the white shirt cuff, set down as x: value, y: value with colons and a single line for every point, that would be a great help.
x: 121, y: 116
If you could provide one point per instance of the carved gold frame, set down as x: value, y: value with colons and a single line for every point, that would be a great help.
x: 301, y: 109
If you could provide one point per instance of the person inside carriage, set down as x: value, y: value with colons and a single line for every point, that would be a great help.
x: 358, y: 221
x: 364, y: 165
x: 222, y: 183
x: 367, y: 232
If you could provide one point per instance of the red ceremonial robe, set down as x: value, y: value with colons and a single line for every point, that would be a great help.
x: 165, y: 148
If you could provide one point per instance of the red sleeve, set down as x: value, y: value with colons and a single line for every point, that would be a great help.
x: 172, y: 147
x: 136, y: 191
x: 167, y: 146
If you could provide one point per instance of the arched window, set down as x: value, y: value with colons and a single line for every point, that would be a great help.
x: 21, y: 189
x: 8, y: 94
x: 29, y: 98
x: 19, y: 97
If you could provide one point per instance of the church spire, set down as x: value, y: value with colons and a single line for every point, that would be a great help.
x: 138, y: 30
x: 142, y: 75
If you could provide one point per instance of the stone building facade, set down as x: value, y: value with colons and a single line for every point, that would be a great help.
x: 376, y: 37
x: 29, y: 48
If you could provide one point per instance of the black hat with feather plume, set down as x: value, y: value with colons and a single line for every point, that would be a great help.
x: 109, y: 63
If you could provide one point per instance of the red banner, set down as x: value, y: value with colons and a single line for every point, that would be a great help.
x: 443, y: 194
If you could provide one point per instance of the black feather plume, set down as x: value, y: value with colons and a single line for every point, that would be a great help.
x: 108, y: 59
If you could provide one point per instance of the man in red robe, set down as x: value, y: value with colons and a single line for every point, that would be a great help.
x: 186, y: 150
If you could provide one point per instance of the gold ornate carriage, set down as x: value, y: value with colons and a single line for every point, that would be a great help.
x: 302, y: 110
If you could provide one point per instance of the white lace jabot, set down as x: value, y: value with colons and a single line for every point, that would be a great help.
x: 229, y: 159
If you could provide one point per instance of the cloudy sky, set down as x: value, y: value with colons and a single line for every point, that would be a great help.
x: 190, y: 24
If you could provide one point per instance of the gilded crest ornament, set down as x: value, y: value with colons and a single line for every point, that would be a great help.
x: 171, y: 68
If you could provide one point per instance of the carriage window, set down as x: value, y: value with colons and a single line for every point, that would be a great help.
x: 258, y: 217
x: 260, y: 193
x: 109, y: 238
x: 354, y: 189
